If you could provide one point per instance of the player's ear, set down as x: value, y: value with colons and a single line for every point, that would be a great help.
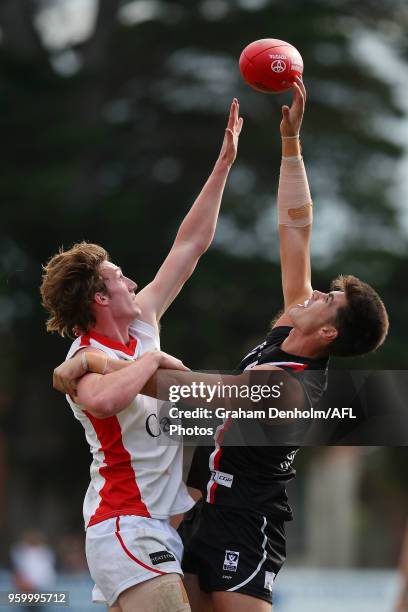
x: 101, y: 299
x: 328, y: 333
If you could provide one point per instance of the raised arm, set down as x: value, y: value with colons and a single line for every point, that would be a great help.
x: 196, y: 231
x: 294, y: 207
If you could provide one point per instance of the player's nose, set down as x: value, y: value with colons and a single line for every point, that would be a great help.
x: 132, y: 286
x: 318, y: 295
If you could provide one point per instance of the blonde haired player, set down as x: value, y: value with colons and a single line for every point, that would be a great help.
x: 133, y: 552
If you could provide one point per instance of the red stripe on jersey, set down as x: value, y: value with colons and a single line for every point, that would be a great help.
x: 226, y: 426
x: 128, y: 349
x: 296, y: 366
x: 287, y: 364
x: 216, y: 460
x: 213, y: 488
x: 214, y: 485
x: 129, y: 554
x: 120, y: 493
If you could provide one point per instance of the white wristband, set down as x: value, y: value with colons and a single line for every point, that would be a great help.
x: 293, y: 158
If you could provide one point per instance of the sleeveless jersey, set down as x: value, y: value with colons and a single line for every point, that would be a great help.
x: 133, y: 471
x: 253, y: 478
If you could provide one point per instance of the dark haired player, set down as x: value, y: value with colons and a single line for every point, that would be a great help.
x: 235, y: 540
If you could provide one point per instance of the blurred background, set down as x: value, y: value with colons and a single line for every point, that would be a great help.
x: 112, y: 114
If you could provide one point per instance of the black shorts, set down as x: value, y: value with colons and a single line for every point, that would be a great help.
x: 233, y: 550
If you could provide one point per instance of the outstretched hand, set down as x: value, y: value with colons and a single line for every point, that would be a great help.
x: 292, y: 117
x: 230, y: 144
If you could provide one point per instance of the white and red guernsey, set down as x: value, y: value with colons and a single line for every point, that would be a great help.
x: 134, y: 471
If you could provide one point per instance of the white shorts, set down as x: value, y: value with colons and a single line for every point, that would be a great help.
x: 127, y: 550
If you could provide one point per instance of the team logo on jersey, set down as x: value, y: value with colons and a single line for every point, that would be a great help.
x: 222, y: 478
x: 162, y: 556
x: 154, y: 427
x: 230, y: 561
x: 290, y: 457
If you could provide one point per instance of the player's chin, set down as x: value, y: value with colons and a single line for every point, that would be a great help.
x: 293, y: 313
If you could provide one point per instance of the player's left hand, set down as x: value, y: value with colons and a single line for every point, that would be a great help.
x: 229, y: 147
x: 292, y: 117
x: 65, y: 377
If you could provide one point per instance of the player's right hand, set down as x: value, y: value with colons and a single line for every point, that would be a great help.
x: 229, y: 147
x: 292, y: 117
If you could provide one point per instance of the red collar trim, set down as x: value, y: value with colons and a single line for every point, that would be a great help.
x: 128, y: 349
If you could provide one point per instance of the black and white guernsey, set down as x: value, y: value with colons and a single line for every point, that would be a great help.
x: 254, y: 478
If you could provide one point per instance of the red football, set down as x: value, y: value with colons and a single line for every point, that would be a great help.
x: 270, y: 65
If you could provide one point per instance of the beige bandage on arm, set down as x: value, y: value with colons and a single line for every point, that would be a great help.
x: 295, y: 206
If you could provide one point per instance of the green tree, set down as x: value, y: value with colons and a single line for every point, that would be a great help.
x: 109, y: 137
